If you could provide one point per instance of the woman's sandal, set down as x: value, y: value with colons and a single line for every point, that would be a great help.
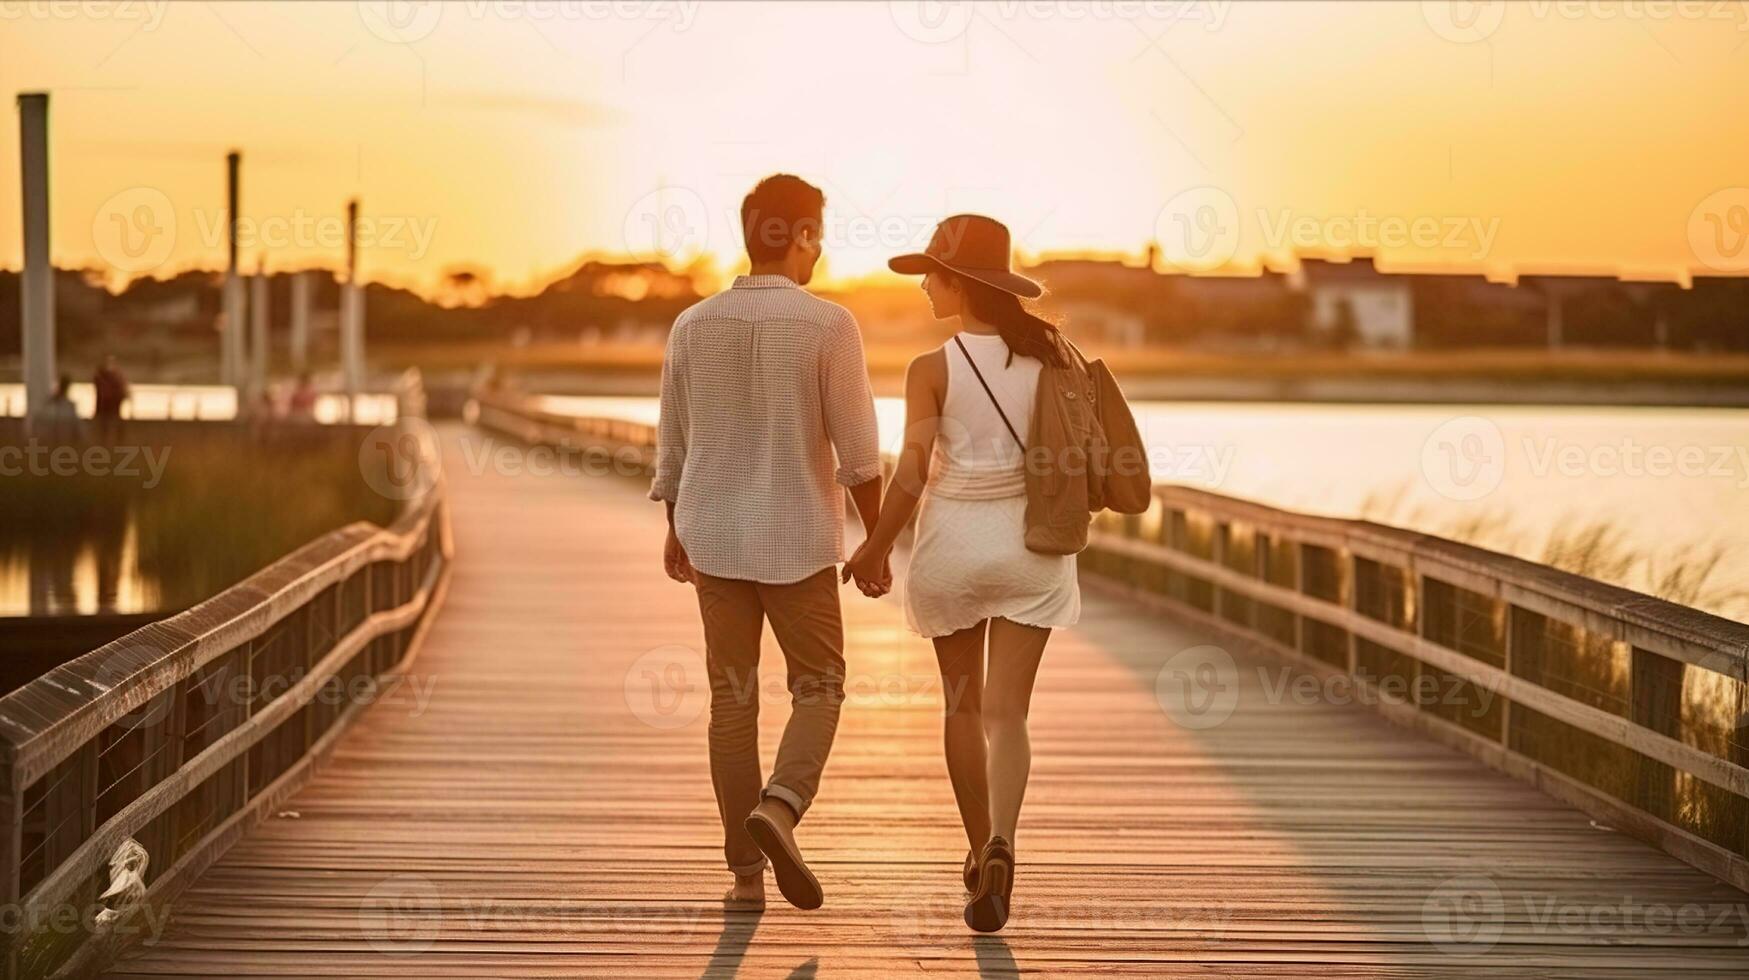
x: 989, y: 906
x: 970, y: 873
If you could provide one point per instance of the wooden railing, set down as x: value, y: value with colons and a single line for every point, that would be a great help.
x: 1631, y: 708
x: 519, y: 416
x: 180, y: 735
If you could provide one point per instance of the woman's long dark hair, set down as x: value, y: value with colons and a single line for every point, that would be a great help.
x: 1025, y: 332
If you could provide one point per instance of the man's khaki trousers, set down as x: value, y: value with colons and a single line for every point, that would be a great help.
x: 809, y: 628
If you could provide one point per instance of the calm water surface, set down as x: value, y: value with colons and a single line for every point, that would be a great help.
x: 1667, y: 488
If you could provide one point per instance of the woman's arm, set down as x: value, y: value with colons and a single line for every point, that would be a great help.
x: 925, y: 384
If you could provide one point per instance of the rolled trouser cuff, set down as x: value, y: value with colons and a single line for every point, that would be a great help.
x: 789, y: 797
x: 749, y: 870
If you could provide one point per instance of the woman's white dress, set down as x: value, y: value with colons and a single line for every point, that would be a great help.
x: 968, y: 558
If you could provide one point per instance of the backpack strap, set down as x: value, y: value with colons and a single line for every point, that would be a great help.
x: 992, y: 394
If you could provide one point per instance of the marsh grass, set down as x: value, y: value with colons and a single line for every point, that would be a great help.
x: 226, y: 506
x: 1688, y: 573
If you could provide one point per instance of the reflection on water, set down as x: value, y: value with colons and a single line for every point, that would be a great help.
x: 89, y: 569
x: 1655, y: 494
x: 141, y: 538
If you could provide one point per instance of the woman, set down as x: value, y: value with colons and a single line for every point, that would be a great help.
x: 968, y: 405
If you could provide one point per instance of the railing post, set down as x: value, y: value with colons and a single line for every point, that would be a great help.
x: 11, y: 854
x: 1655, y: 703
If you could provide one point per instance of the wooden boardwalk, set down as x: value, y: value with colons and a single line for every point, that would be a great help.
x: 535, y: 802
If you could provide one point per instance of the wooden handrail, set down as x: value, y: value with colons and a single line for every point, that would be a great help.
x: 1619, y: 753
x: 347, y: 605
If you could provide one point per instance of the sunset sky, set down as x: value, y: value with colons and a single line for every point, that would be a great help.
x: 517, y: 137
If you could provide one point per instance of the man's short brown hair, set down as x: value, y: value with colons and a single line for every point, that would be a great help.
x: 774, y: 214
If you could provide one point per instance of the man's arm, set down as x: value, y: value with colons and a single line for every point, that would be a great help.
x: 848, y: 403
x: 671, y: 423
x: 671, y: 455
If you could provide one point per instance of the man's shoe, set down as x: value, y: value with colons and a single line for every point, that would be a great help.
x: 772, y: 828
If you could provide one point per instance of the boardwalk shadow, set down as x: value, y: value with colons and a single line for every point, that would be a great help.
x: 737, y: 935
x: 995, y: 962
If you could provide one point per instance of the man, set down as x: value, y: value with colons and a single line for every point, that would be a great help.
x: 761, y: 384
x: 112, y: 392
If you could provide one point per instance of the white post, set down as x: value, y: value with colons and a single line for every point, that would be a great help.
x: 352, y: 316
x: 258, y: 333
x: 37, y: 289
x: 300, y: 321
x: 231, y: 341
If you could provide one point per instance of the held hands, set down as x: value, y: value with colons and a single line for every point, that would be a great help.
x: 873, y: 572
x: 674, y: 560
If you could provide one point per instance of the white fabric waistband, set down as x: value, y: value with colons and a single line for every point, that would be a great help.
x: 950, y: 479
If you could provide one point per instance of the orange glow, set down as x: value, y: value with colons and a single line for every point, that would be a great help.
x: 517, y: 137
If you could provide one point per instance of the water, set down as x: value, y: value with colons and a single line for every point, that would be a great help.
x: 200, y: 402
x: 1667, y: 488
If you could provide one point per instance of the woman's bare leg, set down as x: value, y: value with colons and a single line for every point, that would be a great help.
x: 961, y: 657
x: 1015, y: 651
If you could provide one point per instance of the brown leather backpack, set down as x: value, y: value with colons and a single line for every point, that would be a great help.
x: 1086, y: 454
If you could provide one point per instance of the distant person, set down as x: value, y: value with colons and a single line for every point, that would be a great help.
x: 764, y: 378
x: 112, y: 393
x: 302, y: 407
x: 968, y: 418
x: 58, y: 415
